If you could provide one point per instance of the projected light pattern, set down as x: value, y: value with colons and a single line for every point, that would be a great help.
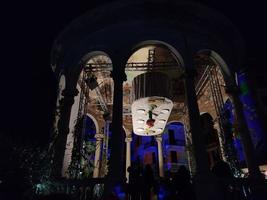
x: 250, y: 111
x: 150, y: 115
x: 237, y: 141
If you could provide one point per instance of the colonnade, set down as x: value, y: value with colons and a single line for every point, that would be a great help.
x: 118, y: 136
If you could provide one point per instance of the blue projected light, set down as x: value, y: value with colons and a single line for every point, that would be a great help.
x: 144, y: 149
x: 236, y: 140
x: 250, y: 113
x: 249, y: 109
x: 90, y: 130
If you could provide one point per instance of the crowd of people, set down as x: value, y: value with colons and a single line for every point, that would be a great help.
x: 144, y: 186
x: 179, y: 185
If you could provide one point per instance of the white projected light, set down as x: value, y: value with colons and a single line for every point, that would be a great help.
x: 140, y: 121
x: 150, y: 115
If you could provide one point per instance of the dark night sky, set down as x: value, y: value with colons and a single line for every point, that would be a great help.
x: 28, y: 30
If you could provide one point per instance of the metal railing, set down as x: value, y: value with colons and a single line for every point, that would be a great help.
x: 134, y: 66
x: 87, y: 189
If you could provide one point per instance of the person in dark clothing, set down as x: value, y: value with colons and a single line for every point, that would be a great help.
x: 222, y: 170
x: 224, y: 173
x: 149, y: 182
x: 135, y: 182
x: 182, y: 181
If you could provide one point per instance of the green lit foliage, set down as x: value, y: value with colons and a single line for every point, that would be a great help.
x: 82, y: 165
x: 87, y: 162
x: 23, y: 165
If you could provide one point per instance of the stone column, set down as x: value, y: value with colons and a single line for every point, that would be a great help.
x: 249, y: 151
x: 160, y: 155
x: 117, y: 135
x: 199, y: 148
x: 206, y: 184
x: 128, y: 141
x: 63, y: 130
x: 98, y: 145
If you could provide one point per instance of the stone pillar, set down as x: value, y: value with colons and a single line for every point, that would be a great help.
x: 128, y: 141
x: 249, y: 151
x: 160, y: 155
x: 206, y: 184
x: 117, y: 136
x: 98, y: 145
x: 199, y: 148
x: 63, y: 130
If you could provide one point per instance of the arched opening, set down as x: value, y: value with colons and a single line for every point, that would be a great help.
x: 91, y: 112
x: 213, y: 76
x: 213, y: 58
x: 83, y: 152
x: 175, y: 54
x: 152, y: 95
x: 152, y: 71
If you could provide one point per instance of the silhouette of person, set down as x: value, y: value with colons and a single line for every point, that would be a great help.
x: 135, y: 182
x: 223, y: 171
x: 182, y: 180
x: 149, y: 182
